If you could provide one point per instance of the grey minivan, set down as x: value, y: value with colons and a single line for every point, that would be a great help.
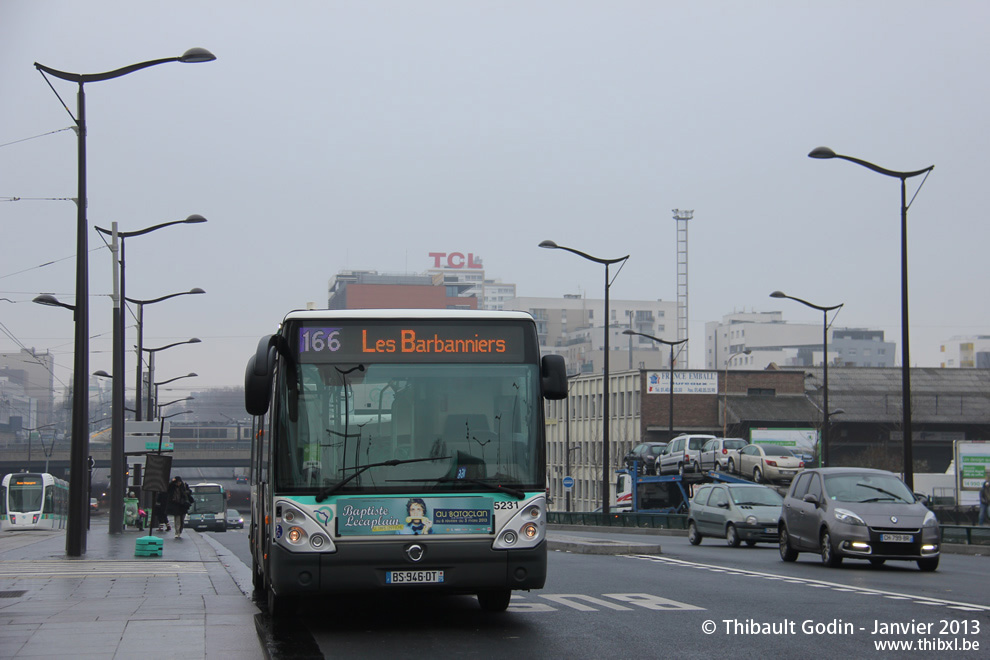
x: 858, y: 513
x: 735, y: 512
x: 683, y: 454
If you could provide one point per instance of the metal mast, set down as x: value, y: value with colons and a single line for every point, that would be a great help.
x: 682, y: 277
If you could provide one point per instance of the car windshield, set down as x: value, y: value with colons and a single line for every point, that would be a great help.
x: 655, y: 450
x: 697, y: 443
x: 867, y: 488
x: 747, y: 495
x: 734, y: 444
x: 774, y: 450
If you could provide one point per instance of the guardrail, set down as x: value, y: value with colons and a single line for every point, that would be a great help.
x: 966, y: 534
x: 961, y: 534
x: 635, y: 520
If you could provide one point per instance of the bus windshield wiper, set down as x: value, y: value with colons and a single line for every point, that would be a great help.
x: 498, y: 488
x: 358, y: 469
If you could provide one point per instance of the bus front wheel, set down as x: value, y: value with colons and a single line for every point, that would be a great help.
x: 494, y: 601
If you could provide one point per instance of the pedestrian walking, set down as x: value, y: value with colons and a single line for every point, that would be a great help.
x: 984, y: 501
x: 178, y: 500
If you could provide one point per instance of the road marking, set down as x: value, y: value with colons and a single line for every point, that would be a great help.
x: 35, y: 569
x: 580, y: 603
x: 966, y: 607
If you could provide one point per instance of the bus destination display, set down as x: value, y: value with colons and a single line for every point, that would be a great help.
x: 411, y: 343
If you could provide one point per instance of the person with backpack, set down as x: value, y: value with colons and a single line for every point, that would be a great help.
x: 178, y: 500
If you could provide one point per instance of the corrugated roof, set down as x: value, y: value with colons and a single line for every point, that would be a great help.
x: 795, y: 408
x: 871, y: 394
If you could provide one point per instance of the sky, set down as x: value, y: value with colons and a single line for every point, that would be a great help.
x: 367, y: 134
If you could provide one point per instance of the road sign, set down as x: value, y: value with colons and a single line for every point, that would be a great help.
x: 568, y: 483
x: 140, y: 444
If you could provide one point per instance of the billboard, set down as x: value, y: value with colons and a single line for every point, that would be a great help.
x: 685, y: 382
x: 806, y: 439
x: 972, y: 462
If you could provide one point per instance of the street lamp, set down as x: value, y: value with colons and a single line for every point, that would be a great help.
x: 824, y: 310
x: 172, y: 380
x: 671, y: 344
x: 162, y: 405
x: 151, y: 368
x: 117, y: 458
x: 605, y: 427
x: 825, y: 153
x: 725, y: 389
x: 75, y: 533
x: 140, y: 343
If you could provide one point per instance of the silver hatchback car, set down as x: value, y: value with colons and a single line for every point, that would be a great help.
x: 735, y: 512
x: 857, y: 513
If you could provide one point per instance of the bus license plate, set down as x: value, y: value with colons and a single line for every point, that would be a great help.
x: 896, y: 538
x: 413, y: 577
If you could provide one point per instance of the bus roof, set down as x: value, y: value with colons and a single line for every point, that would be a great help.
x: 399, y: 314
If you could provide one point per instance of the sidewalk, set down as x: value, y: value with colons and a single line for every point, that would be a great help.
x: 111, y: 604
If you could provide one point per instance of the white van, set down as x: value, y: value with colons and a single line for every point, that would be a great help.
x: 683, y: 454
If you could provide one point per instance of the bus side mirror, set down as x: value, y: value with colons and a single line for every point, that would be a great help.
x: 553, y: 377
x: 258, y: 378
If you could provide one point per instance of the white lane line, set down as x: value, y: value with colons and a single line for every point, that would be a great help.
x: 968, y: 607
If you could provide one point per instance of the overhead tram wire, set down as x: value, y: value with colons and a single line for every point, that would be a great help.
x: 35, y: 137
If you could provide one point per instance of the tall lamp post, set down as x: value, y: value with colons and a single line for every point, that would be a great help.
x: 75, y: 533
x: 671, y: 344
x: 140, y: 343
x: 605, y: 426
x: 825, y: 153
x: 725, y: 391
x: 151, y: 369
x: 824, y: 310
x: 160, y: 406
x: 117, y: 457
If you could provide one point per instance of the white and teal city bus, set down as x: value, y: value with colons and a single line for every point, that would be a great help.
x: 33, y: 500
x: 400, y: 450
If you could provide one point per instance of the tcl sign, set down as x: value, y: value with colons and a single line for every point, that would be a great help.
x: 455, y: 260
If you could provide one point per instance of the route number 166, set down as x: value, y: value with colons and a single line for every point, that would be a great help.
x: 319, y: 340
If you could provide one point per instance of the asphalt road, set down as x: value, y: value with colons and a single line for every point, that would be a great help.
x: 689, y: 602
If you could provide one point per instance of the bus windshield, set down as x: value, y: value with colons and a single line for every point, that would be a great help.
x: 207, y: 499
x: 471, y: 422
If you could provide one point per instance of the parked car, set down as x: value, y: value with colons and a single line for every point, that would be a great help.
x: 736, y: 513
x: 857, y: 513
x: 683, y: 454
x: 716, y: 453
x: 234, y: 519
x: 767, y: 463
x: 806, y: 456
x: 645, y: 454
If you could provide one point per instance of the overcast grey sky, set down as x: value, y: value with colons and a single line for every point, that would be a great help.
x: 332, y: 135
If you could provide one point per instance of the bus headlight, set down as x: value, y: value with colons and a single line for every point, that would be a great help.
x: 296, y: 530
x: 526, y: 529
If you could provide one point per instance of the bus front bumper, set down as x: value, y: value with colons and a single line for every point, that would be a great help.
x: 468, y: 567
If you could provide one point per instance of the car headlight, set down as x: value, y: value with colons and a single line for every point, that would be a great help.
x: 930, y: 520
x: 751, y: 520
x: 848, y: 517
